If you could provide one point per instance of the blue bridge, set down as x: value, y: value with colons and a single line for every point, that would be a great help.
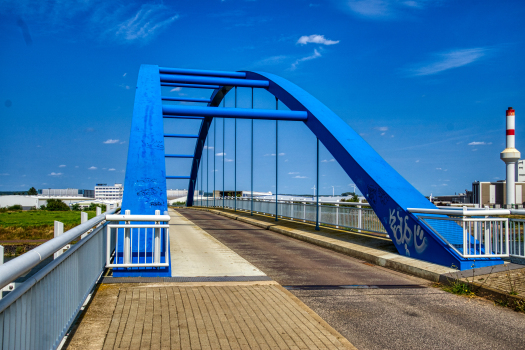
x: 396, y: 203
x: 134, y: 241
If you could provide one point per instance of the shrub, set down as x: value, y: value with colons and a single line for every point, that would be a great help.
x: 15, y: 207
x: 56, y: 205
x: 75, y: 207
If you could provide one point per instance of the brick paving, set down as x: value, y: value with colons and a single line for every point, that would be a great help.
x: 209, y: 316
x: 511, y: 281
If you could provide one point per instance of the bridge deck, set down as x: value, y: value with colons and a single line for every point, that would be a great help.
x: 202, y: 315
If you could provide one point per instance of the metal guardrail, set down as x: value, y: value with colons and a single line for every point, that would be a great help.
x: 472, y: 237
x: 140, y: 233
x: 38, y: 313
x: 482, y: 234
x: 516, y: 238
x: 339, y: 215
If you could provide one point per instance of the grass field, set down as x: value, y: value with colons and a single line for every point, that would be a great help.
x: 36, y: 224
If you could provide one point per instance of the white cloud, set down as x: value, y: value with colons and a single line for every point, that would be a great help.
x: 76, y: 166
x: 62, y: 166
x: 316, y: 39
x: 220, y: 154
x: 477, y: 143
x: 315, y: 55
x: 125, y: 74
x: 122, y: 142
x: 293, y: 173
x: 417, y: 161
x: 448, y: 60
x: 384, y: 9
x: 55, y: 174
x: 111, y: 141
x: 4, y: 174
x: 92, y: 168
x: 381, y: 128
x: 146, y: 23
x: 228, y: 160
x: 271, y: 60
x: 300, y: 177
x: 439, y: 169
x: 111, y: 169
x: 119, y: 21
x: 178, y: 88
x: 206, y: 147
x: 327, y: 160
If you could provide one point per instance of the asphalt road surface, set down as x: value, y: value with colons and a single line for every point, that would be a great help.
x: 373, y: 307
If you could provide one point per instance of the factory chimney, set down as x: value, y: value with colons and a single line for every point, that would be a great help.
x: 510, y: 156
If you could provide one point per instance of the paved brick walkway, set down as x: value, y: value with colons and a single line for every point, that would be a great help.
x: 212, y: 316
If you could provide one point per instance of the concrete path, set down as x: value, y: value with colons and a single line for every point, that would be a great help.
x: 201, y: 315
x: 373, y: 307
x: 195, y: 253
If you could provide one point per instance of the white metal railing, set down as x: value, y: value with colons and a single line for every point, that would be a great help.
x: 472, y: 233
x: 516, y: 237
x: 38, y: 313
x: 149, y: 231
x: 340, y: 214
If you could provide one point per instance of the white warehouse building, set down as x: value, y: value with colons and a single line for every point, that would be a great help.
x: 109, y: 193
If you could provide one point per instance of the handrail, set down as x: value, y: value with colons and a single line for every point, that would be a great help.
x: 312, y: 202
x: 162, y: 218
x: 18, y: 266
x: 464, y: 212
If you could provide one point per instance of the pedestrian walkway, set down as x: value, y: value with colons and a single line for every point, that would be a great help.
x: 195, y: 253
x: 201, y: 315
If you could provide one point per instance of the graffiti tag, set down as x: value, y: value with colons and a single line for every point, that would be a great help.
x: 404, y: 235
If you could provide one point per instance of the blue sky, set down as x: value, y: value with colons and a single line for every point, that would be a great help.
x: 425, y: 83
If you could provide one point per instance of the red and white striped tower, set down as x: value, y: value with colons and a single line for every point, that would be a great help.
x: 510, y: 156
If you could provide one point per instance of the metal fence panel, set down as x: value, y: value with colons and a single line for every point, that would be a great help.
x: 37, y: 314
x: 337, y: 215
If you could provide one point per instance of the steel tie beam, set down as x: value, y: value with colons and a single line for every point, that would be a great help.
x: 241, y: 113
x: 206, y: 80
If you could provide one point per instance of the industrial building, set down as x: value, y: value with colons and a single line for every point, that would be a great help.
x: 67, y: 192
x: 245, y: 194
x: 494, y: 194
x: 109, y: 193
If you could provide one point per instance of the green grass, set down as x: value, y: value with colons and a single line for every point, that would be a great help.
x: 36, y: 224
x: 34, y: 218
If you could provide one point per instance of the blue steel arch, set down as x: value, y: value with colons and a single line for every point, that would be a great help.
x: 387, y: 192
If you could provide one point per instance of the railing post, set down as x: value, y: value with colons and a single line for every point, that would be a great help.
x: 59, y: 229
x: 359, y: 217
x: 337, y: 215
x: 127, y: 241
x: 304, y: 211
x: 157, y: 240
x: 99, y: 211
x: 83, y: 218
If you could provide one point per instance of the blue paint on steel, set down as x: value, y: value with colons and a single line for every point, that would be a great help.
x: 186, y: 99
x: 209, y: 73
x: 317, y: 184
x: 387, y: 192
x: 184, y: 136
x: 181, y: 117
x: 178, y: 155
x: 216, y: 98
x: 189, y: 79
x: 240, y: 113
x: 195, y: 86
x: 145, y: 182
x: 178, y: 177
